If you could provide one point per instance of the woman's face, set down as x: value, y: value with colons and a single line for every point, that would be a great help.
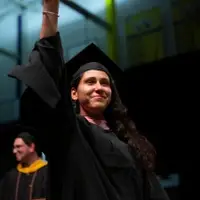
x: 93, y: 92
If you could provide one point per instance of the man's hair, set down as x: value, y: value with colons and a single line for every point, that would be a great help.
x: 29, y: 140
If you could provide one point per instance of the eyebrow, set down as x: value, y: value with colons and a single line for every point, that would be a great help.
x: 93, y: 77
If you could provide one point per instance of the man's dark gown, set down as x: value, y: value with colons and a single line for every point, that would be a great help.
x: 94, y: 164
x: 16, y: 185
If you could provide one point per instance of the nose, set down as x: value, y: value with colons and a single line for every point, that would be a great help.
x: 14, y: 151
x: 98, y: 86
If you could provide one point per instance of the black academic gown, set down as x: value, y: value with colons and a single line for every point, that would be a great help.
x: 91, y: 167
x: 24, y: 186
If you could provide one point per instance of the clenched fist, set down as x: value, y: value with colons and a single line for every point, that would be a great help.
x: 47, y: 1
x: 50, y: 18
x: 51, y: 5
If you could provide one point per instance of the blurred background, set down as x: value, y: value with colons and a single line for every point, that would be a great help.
x: 155, y: 42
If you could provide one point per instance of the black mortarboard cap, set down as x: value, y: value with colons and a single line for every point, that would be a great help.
x: 93, y: 55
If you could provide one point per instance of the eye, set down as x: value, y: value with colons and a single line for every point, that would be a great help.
x: 105, y: 82
x: 91, y: 81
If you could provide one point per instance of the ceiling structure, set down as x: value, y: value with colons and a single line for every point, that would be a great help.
x: 33, y: 8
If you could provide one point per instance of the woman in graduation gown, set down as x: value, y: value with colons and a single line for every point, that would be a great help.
x: 102, y: 156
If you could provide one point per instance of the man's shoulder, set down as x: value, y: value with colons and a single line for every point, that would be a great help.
x: 9, y: 175
x: 11, y: 172
x: 44, y: 168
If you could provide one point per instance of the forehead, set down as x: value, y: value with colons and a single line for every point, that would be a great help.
x: 95, y: 73
x: 18, y: 141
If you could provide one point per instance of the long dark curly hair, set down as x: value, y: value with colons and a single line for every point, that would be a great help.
x: 119, y: 122
x: 116, y: 115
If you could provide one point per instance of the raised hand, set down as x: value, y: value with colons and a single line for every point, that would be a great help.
x: 51, y: 4
x: 50, y: 18
x: 48, y: 1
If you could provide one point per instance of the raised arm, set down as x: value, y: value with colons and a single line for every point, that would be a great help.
x: 50, y: 18
x: 43, y: 76
x: 43, y: 72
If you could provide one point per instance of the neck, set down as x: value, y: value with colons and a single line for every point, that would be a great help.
x: 30, y: 160
x: 100, y: 121
x: 92, y: 116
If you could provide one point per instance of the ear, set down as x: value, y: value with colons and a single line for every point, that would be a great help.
x: 32, y: 147
x: 74, y: 94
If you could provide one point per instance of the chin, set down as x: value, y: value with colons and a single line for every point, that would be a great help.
x: 98, y: 108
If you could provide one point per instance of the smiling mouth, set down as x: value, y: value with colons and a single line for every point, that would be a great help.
x: 98, y: 97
